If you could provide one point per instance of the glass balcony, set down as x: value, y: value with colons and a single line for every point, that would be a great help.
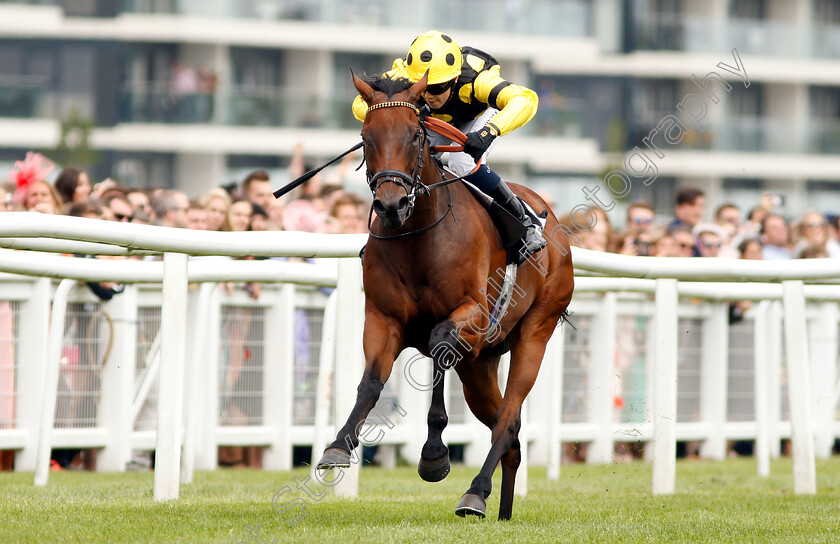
x: 236, y: 106
x: 26, y: 97
x: 825, y: 41
x: 823, y: 137
x: 750, y: 37
x: 252, y: 106
x: 156, y: 103
x: 543, y: 17
x: 731, y: 135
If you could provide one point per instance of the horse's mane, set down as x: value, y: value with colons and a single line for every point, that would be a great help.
x: 386, y: 84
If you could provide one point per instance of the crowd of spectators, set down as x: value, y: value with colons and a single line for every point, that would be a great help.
x: 322, y: 206
x: 763, y: 233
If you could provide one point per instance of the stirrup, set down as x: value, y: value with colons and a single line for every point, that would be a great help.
x: 533, y: 241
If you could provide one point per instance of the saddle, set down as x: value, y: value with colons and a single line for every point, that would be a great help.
x: 509, y: 228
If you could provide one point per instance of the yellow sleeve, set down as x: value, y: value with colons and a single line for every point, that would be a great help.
x: 359, y: 105
x: 516, y: 104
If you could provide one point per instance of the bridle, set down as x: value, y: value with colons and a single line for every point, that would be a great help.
x: 411, y: 184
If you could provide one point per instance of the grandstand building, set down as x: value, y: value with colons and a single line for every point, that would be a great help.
x: 193, y: 93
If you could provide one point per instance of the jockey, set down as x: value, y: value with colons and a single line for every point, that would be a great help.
x: 466, y: 90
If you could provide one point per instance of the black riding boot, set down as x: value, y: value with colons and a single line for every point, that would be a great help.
x: 532, y: 240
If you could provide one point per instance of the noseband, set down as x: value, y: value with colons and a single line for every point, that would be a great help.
x: 411, y: 184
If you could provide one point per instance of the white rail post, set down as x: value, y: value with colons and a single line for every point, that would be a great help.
x: 323, y: 391
x: 665, y: 388
x: 278, y: 384
x: 349, y: 361
x: 715, y: 380
x: 199, y: 314
x: 173, y: 326
x: 799, y: 381
x: 824, y: 376
x: 555, y: 355
x: 207, y: 446
x: 774, y: 378
x: 118, y: 382
x: 761, y: 356
x: 56, y: 335
x: 34, y: 319
x: 601, y: 379
x: 417, y: 394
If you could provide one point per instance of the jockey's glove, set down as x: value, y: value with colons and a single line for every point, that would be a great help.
x: 479, y: 141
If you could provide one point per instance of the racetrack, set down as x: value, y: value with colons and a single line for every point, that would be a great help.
x: 715, y: 502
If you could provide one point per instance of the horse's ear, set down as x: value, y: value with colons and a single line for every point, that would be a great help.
x: 365, y: 90
x: 417, y: 89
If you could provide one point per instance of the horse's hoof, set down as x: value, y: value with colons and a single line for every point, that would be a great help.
x: 334, y: 458
x: 434, y: 471
x: 471, y: 505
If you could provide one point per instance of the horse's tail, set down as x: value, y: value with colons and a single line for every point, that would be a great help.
x: 565, y: 319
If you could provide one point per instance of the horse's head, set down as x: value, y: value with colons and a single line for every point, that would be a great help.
x: 394, y: 145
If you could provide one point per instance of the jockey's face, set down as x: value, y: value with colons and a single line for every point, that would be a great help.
x: 436, y: 101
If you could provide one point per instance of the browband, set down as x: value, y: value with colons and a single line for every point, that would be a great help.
x: 394, y: 103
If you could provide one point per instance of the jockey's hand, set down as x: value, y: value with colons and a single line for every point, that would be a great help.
x: 479, y: 141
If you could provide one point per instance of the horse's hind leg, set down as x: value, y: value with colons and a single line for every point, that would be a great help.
x: 382, y: 344
x: 481, y: 391
x: 528, y: 348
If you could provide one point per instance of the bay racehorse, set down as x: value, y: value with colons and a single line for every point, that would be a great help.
x: 429, y: 270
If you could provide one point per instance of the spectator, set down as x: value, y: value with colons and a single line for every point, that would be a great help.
x: 120, y: 207
x: 728, y: 216
x: 183, y: 88
x: 216, y: 203
x: 301, y: 215
x: 630, y: 242
x: 812, y: 231
x: 814, y: 251
x: 709, y: 239
x: 640, y: 216
x: 140, y: 201
x: 684, y: 243
x: 171, y: 207
x: 750, y: 248
x: 662, y: 244
x: 259, y: 218
x: 274, y: 214
x: 257, y: 188
x: 346, y: 212
x: 73, y: 185
x: 597, y: 238
x: 239, y: 216
x: 32, y: 192
x: 196, y: 216
x: 41, y: 197
x: 775, y: 237
x: 688, y: 208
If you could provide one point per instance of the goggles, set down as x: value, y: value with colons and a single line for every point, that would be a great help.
x: 440, y: 88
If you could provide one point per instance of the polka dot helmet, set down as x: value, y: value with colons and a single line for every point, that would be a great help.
x: 435, y: 52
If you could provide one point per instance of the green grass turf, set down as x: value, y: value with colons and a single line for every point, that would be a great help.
x: 715, y: 502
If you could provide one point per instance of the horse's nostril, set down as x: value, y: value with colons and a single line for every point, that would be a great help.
x: 378, y: 207
x: 403, y: 203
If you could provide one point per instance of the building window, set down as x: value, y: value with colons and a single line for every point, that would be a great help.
x: 748, y: 9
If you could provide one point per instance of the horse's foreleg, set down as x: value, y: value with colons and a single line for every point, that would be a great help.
x: 434, y: 458
x: 382, y: 344
x: 448, y: 344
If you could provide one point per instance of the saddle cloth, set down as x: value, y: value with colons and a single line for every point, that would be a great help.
x: 511, y: 231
